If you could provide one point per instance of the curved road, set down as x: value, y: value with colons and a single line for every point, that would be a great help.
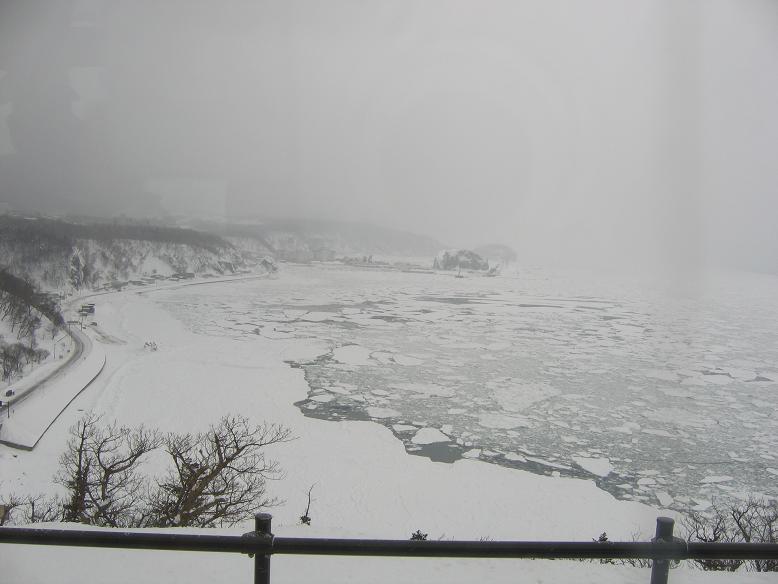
x: 81, y: 341
x: 83, y: 345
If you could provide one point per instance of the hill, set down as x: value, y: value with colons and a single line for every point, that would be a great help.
x: 63, y: 255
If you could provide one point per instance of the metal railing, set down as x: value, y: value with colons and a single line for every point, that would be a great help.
x: 261, y: 544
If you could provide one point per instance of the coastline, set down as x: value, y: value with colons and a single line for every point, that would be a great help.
x: 360, y: 469
x: 366, y: 485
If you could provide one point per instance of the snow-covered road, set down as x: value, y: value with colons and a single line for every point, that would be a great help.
x: 40, y: 402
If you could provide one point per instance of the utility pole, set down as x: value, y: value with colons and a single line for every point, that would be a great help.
x: 54, y: 349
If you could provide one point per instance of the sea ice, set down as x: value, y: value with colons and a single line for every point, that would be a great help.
x: 352, y: 355
x: 598, y: 466
x: 429, y: 436
x: 322, y: 398
x: 501, y: 421
x: 376, y: 412
x: 655, y: 432
x: 716, y: 479
x: 317, y: 316
x: 403, y: 428
x: 548, y: 463
x: 407, y: 360
x: 382, y: 357
x: 521, y: 396
x: 429, y: 389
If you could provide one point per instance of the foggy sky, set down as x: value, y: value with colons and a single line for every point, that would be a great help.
x: 599, y: 131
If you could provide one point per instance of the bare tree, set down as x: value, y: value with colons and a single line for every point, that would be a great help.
x: 117, y: 488
x: 41, y: 509
x: 219, y: 477
x: 100, y: 470
x: 754, y: 520
x: 11, y: 359
x: 29, y: 509
x: 75, y: 466
x: 8, y: 506
x: 710, y: 529
x: 757, y: 521
x: 305, y: 518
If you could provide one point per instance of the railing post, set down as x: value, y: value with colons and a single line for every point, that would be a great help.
x: 664, y: 534
x: 262, y: 525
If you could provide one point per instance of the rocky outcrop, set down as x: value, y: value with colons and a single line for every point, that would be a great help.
x: 459, y: 259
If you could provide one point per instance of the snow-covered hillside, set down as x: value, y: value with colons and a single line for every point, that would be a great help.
x: 63, y: 256
x: 92, y: 263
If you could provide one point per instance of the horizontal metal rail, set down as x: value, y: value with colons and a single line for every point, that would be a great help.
x: 133, y: 540
x: 263, y: 544
x: 267, y: 545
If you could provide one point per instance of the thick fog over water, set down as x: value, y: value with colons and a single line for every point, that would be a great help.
x: 605, y: 131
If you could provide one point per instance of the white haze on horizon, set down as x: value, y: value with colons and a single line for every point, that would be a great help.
x: 603, y: 132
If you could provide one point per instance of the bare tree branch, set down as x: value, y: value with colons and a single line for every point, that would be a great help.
x: 218, y: 477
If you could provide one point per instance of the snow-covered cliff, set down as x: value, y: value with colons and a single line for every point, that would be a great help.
x: 65, y: 256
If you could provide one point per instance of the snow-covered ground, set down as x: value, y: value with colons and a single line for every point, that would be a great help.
x: 365, y: 483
